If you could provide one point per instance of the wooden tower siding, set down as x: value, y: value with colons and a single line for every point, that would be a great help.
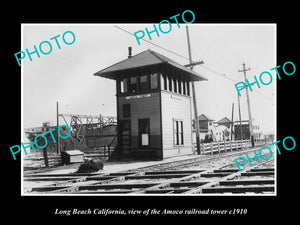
x: 141, y: 108
x: 175, y: 106
x: 167, y: 113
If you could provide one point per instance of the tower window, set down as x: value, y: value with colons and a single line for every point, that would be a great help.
x: 133, y: 84
x: 144, y: 83
x: 178, y: 132
x: 124, y: 85
x: 153, y: 81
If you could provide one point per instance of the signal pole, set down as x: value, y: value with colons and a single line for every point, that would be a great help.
x: 248, y: 102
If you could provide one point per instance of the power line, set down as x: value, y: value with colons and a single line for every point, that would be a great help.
x: 220, y: 74
x: 153, y: 43
x: 217, y: 73
x: 224, y: 76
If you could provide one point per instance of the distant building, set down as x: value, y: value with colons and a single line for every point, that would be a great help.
x: 153, y: 105
x: 38, y: 130
x: 205, y: 123
x: 269, y: 137
x: 222, y: 129
x: 214, y: 131
x: 205, y: 127
x: 225, y: 122
x: 221, y: 133
x: 245, y: 130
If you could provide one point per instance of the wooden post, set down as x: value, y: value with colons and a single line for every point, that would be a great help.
x: 57, y: 125
x: 230, y: 146
x: 224, y: 146
x: 211, y: 148
x: 265, y: 140
x: 219, y: 146
x: 248, y: 103
x: 232, y: 121
x: 45, y: 157
x: 202, y: 149
x: 108, y: 148
x: 241, y: 130
x: 197, y: 129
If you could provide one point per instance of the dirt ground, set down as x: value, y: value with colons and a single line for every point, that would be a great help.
x: 110, y: 166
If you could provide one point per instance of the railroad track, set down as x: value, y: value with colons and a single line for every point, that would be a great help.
x: 181, y: 177
x: 188, y: 163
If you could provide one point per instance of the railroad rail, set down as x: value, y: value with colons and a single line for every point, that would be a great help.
x: 185, y: 177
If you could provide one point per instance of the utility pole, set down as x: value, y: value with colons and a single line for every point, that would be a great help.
x: 194, y: 95
x: 248, y: 102
x: 231, y: 121
x: 57, y: 124
x: 241, y: 131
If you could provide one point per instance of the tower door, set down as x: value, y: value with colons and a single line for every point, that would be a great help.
x: 144, y: 132
x: 125, y: 134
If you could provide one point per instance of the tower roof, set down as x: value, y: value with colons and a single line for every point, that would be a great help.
x: 148, y: 59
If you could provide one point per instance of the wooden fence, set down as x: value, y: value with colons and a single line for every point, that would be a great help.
x: 223, y: 146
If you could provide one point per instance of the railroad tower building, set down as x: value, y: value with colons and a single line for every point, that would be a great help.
x: 153, y: 105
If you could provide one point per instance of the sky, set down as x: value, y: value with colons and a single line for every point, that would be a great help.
x: 66, y: 75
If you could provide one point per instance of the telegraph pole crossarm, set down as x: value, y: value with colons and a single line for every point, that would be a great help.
x: 194, y: 63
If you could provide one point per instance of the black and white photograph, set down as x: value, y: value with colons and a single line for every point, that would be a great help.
x: 125, y: 113
x: 106, y: 112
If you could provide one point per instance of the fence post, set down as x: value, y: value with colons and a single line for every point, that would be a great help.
x: 108, y: 148
x: 265, y: 140
x: 230, y: 145
x: 219, y: 146
x: 224, y: 146
x: 211, y: 148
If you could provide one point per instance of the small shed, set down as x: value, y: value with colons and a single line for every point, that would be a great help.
x: 72, y: 156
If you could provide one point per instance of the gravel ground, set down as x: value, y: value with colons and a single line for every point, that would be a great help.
x: 111, y: 167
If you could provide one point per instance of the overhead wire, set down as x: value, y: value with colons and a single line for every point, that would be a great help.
x: 153, y: 43
x: 215, y: 72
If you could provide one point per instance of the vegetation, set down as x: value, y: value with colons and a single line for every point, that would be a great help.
x: 90, y: 165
